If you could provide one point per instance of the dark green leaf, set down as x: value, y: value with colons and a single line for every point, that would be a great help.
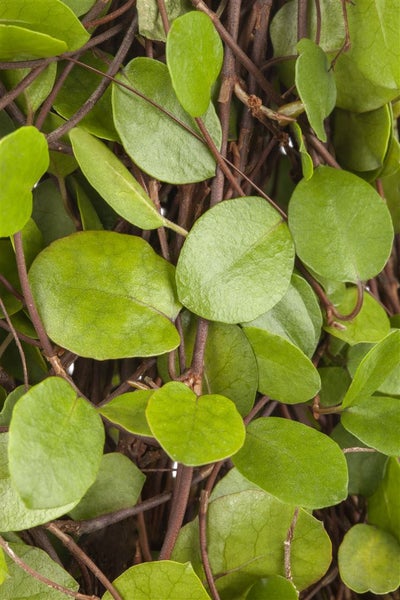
x: 295, y: 463
x: 49, y: 212
x: 384, y: 504
x: 35, y: 93
x: 334, y: 384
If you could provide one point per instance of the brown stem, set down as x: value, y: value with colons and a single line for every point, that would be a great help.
x: 18, y: 343
x: 203, y: 544
x: 301, y: 19
x: 164, y: 15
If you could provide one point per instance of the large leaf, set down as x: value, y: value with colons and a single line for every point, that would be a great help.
x: 115, y: 183
x: 194, y: 58
x: 246, y: 532
x: 361, y: 420
x: 158, y: 144
x: 14, y: 515
x: 294, y: 462
x: 48, y: 28
x: 129, y: 411
x: 236, y: 262
x: 285, y: 373
x: 106, y: 295
x: 341, y: 227
x: 24, y: 157
x: 194, y: 430
x: 312, y: 72
x: 374, y: 369
x: 21, y: 585
x: 118, y: 485
x: 384, y: 504
x: 369, y: 560
x: 165, y: 579
x: 56, y: 445
x: 297, y: 317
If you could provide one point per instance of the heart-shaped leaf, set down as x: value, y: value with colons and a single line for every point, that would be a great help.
x: 194, y: 59
x: 340, y: 226
x: 168, y: 149
x: 194, y: 430
x: 236, y: 262
x: 294, y: 462
x: 106, y: 295
x: 24, y: 156
x: 47, y: 419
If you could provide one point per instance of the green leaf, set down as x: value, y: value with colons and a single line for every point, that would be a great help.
x: 391, y: 385
x: 293, y: 462
x: 236, y: 262
x: 114, y: 182
x: 372, y: 64
x: 361, y: 140
x: 106, y: 295
x: 21, y: 585
x: 46, y: 421
x: 194, y: 58
x: 376, y: 421
x: 285, y: 373
x: 312, y: 73
x: 194, y: 430
x: 49, y: 212
x: 166, y: 150
x: 384, y: 504
x: 306, y: 160
x: 275, y: 587
x: 164, y: 579
x: 230, y: 367
x: 391, y: 188
x: 8, y: 268
x: 371, y: 324
x: 35, y: 93
x: 150, y: 22
x: 87, y: 213
x: 246, y: 532
x: 334, y: 384
x: 118, y: 485
x: 9, y: 403
x: 79, y: 7
x: 296, y: 317
x: 24, y: 157
x: 365, y: 468
x: 369, y: 560
x: 78, y: 87
x: 3, y: 568
x: 341, y: 227
x: 129, y: 411
x: 375, y: 367
x: 14, y: 515
x: 48, y: 28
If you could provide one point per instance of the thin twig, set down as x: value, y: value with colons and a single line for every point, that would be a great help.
x: 203, y: 544
x: 18, y: 344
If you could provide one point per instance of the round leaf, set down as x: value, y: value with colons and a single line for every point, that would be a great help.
x: 194, y: 430
x: 341, y: 227
x: 56, y: 445
x: 162, y: 579
x: 159, y: 145
x: 369, y: 560
x: 236, y: 262
x: 284, y: 372
x: 14, y: 515
x: 129, y: 411
x: 275, y: 587
x: 106, y: 295
x: 293, y: 462
x: 312, y: 72
x: 24, y: 157
x: 194, y: 59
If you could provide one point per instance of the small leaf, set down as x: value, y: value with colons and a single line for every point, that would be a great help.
x: 22, y: 585
x: 371, y: 324
x: 296, y: 317
x: 194, y: 430
x: 294, y: 462
x: 391, y: 385
x: 162, y: 579
x: 24, y: 156
x: 129, y: 411
x: 384, y: 504
x: 334, y: 384
x: 312, y: 73
x: 369, y: 560
x: 118, y: 485
x: 49, y: 212
x: 194, y: 58
x: 362, y: 417
x: 87, y: 213
x: 163, y: 148
x: 150, y: 22
x: 375, y: 367
x: 113, y: 181
x: 236, y: 262
x: 306, y: 160
x: 48, y: 419
x: 341, y: 227
x: 284, y: 372
x: 8, y: 268
x: 106, y: 295
x: 79, y: 7
x: 275, y: 587
x: 35, y: 93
